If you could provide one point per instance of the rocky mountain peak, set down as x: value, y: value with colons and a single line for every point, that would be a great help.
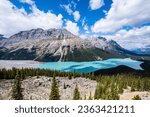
x: 102, y: 38
x: 42, y: 34
x: 114, y: 43
x: 103, y: 43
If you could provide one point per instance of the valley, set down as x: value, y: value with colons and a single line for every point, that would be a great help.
x: 55, y: 64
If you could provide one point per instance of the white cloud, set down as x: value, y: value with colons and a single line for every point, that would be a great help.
x: 96, y: 4
x: 27, y: 1
x: 105, y: 12
x: 13, y: 20
x: 83, y: 21
x: 67, y: 8
x: 135, y: 38
x: 124, y: 13
x: 86, y: 27
x: 76, y: 15
x: 84, y: 36
x: 72, y: 27
x: 73, y: 4
x: 88, y: 36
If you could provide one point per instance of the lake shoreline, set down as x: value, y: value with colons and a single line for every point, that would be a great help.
x: 80, y: 67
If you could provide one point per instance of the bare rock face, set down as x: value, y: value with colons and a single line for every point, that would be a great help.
x: 106, y: 45
x: 39, y: 89
x: 36, y: 35
x: 48, y: 45
x: 40, y: 34
x: 5, y: 89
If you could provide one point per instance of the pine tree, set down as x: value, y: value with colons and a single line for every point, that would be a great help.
x: 22, y: 75
x: 97, y: 92
x: 76, y: 93
x: 137, y: 97
x: 54, y: 94
x: 64, y: 86
x: 138, y: 85
x: 16, y: 89
x: 85, y: 97
x: 37, y: 74
x: 90, y: 97
x: 69, y: 77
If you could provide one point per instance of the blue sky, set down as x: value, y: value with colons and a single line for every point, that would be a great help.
x: 125, y: 21
x: 87, y: 15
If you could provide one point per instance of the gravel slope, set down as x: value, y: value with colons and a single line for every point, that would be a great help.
x: 8, y: 64
x: 39, y: 89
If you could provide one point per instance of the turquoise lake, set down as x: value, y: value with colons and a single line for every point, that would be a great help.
x: 86, y: 67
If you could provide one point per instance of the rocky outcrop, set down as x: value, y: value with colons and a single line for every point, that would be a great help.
x: 39, y: 88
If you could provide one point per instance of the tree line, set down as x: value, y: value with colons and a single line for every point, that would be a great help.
x: 25, y: 72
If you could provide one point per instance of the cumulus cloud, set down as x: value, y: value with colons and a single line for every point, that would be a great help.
x: 76, y: 15
x: 134, y: 38
x: 96, y: 4
x: 72, y: 27
x: 13, y: 19
x: 124, y: 13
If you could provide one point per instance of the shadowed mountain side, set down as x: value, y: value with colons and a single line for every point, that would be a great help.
x: 115, y: 70
x: 122, y: 69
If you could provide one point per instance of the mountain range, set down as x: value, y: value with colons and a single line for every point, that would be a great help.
x: 2, y: 37
x: 60, y: 45
x: 143, y: 51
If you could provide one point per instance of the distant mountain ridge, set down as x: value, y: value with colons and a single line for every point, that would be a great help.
x: 2, y: 37
x: 143, y: 51
x: 60, y: 45
x: 109, y: 45
x: 39, y: 34
x: 43, y: 34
